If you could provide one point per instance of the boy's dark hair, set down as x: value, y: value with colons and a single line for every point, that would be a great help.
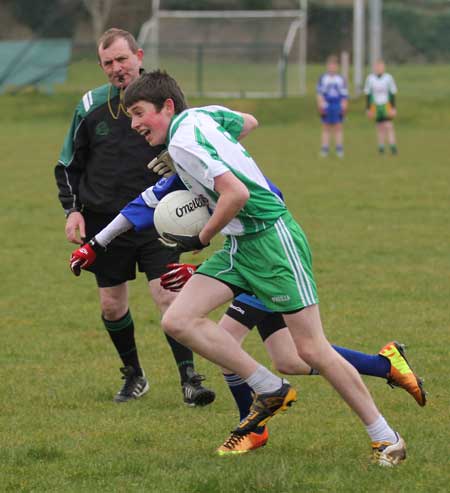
x: 155, y: 87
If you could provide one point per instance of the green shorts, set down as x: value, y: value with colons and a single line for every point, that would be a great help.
x: 383, y: 112
x: 275, y: 265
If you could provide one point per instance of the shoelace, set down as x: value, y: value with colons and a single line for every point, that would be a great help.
x: 233, y: 439
x: 127, y: 388
x: 196, y: 380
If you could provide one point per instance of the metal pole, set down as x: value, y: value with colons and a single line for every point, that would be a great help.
x: 302, y: 49
x: 154, y: 36
x: 200, y: 69
x: 358, y: 46
x: 376, y: 7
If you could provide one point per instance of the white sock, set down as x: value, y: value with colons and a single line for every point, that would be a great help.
x: 263, y: 380
x: 380, y: 431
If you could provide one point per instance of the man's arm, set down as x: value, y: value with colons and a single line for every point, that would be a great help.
x: 71, y: 166
x: 137, y: 214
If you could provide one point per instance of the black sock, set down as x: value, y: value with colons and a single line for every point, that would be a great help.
x: 183, y: 357
x: 122, y: 335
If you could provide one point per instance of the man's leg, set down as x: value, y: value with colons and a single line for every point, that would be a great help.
x: 119, y: 323
x: 194, y: 394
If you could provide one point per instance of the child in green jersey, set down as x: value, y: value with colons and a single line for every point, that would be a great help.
x: 380, y: 90
x: 265, y: 253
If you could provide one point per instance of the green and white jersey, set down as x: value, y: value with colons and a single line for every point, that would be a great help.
x: 203, y: 144
x: 380, y: 88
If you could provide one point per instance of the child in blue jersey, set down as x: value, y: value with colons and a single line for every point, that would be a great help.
x: 332, y: 101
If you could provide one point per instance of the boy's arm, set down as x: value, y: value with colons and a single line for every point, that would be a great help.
x: 137, y: 214
x: 233, y: 195
x: 250, y: 124
x: 321, y: 104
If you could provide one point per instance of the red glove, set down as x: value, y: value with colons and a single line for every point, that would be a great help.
x: 178, y: 276
x: 84, y: 256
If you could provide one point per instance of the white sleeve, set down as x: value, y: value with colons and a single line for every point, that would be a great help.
x: 116, y: 227
x: 367, y: 85
x: 197, y: 162
x: 392, y: 85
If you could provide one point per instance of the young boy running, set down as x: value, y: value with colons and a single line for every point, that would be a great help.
x: 246, y: 312
x: 265, y: 253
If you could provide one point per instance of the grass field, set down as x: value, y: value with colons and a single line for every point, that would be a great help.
x: 379, y: 228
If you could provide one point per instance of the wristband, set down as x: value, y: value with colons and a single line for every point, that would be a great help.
x: 67, y: 212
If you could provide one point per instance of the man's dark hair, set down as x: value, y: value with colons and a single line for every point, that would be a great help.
x: 109, y: 36
x: 155, y: 87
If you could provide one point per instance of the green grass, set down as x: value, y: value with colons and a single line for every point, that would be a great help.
x: 379, y: 228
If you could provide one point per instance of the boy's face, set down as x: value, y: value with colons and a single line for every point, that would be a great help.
x: 379, y: 68
x: 151, y: 123
x: 332, y: 67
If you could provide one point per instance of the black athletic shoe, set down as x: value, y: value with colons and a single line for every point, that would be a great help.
x: 265, y: 406
x: 134, y: 387
x: 194, y: 394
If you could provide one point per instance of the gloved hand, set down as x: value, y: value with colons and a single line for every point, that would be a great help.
x: 84, y: 256
x: 178, y: 276
x: 183, y: 243
x: 162, y: 165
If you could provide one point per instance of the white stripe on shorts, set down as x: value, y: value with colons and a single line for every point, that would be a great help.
x: 301, y: 278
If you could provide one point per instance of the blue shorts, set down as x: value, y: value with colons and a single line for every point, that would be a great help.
x: 333, y: 114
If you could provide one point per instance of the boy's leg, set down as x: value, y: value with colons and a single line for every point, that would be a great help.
x: 380, y: 136
x: 391, y: 136
x: 240, y: 390
x: 339, y: 139
x: 307, y: 332
x: 284, y: 355
x: 186, y: 321
x: 306, y: 328
x: 388, y: 448
x: 390, y: 363
x: 325, y: 140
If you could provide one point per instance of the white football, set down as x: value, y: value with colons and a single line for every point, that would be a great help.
x: 181, y: 213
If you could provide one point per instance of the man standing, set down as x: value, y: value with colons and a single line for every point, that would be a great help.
x: 103, y: 165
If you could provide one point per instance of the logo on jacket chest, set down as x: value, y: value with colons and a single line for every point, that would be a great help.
x: 102, y: 129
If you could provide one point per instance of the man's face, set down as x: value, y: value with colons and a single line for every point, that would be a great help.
x: 119, y: 63
x: 151, y: 123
